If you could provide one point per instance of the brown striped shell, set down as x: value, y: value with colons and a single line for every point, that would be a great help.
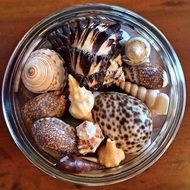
x: 87, y: 45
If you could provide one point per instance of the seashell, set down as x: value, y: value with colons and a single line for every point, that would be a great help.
x: 91, y: 43
x: 51, y: 104
x: 109, y: 155
x: 76, y: 164
x: 90, y: 136
x: 55, y: 136
x: 148, y: 75
x: 124, y: 119
x: 137, y: 50
x: 44, y: 71
x: 82, y: 100
x: 155, y: 100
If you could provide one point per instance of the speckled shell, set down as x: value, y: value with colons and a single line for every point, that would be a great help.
x: 54, y: 136
x: 124, y: 119
x: 148, y: 75
x: 51, y: 104
x: 44, y: 71
x: 91, y: 43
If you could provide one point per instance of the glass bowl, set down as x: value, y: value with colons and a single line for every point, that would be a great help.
x: 164, y: 130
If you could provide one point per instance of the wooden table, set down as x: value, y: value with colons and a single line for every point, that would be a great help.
x: 172, y: 171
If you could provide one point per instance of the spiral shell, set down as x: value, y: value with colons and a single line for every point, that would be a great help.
x: 149, y: 75
x: 44, y: 71
x: 155, y: 100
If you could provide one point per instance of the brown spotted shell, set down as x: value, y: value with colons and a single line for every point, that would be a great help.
x: 54, y: 136
x: 124, y: 119
x: 149, y: 75
x: 51, y: 104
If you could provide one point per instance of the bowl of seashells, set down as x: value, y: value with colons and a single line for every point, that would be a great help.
x: 93, y: 94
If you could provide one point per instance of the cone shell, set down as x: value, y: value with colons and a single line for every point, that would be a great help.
x: 124, y: 119
x: 55, y: 136
x: 91, y: 42
x: 44, y: 71
x: 148, y: 75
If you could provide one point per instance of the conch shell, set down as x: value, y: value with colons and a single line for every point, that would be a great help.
x: 44, y: 71
x: 155, y: 100
x: 82, y: 100
x: 149, y: 75
x: 87, y: 44
x: 109, y: 155
x: 90, y: 136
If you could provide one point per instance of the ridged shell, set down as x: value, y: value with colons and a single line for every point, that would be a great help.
x: 55, y: 136
x: 124, y: 119
x: 148, y: 75
x: 82, y: 100
x: 91, y: 43
x: 44, y: 71
x: 155, y: 100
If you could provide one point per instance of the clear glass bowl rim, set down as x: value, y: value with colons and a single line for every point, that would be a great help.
x: 10, y: 120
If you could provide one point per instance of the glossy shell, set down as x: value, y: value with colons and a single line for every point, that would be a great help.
x: 55, y: 136
x: 124, y: 119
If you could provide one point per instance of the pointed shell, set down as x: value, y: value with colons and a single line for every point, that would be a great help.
x: 155, y: 100
x: 109, y: 155
x: 148, y: 75
x: 90, y: 136
x: 51, y: 104
x: 44, y: 71
x: 137, y: 50
x: 124, y: 119
x: 82, y: 100
x: 54, y: 136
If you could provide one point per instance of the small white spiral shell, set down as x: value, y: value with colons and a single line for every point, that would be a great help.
x: 155, y: 100
x: 44, y: 71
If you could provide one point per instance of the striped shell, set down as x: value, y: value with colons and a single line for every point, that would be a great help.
x: 44, y: 71
x: 148, y: 75
x: 90, y: 43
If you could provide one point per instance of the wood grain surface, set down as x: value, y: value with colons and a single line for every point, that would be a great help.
x: 172, y: 170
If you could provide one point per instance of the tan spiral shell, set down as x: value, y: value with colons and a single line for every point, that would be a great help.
x: 155, y: 100
x: 44, y: 71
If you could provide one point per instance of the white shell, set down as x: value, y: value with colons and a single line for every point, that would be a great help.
x: 44, y: 71
x: 82, y: 100
x: 137, y: 50
x: 155, y: 100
